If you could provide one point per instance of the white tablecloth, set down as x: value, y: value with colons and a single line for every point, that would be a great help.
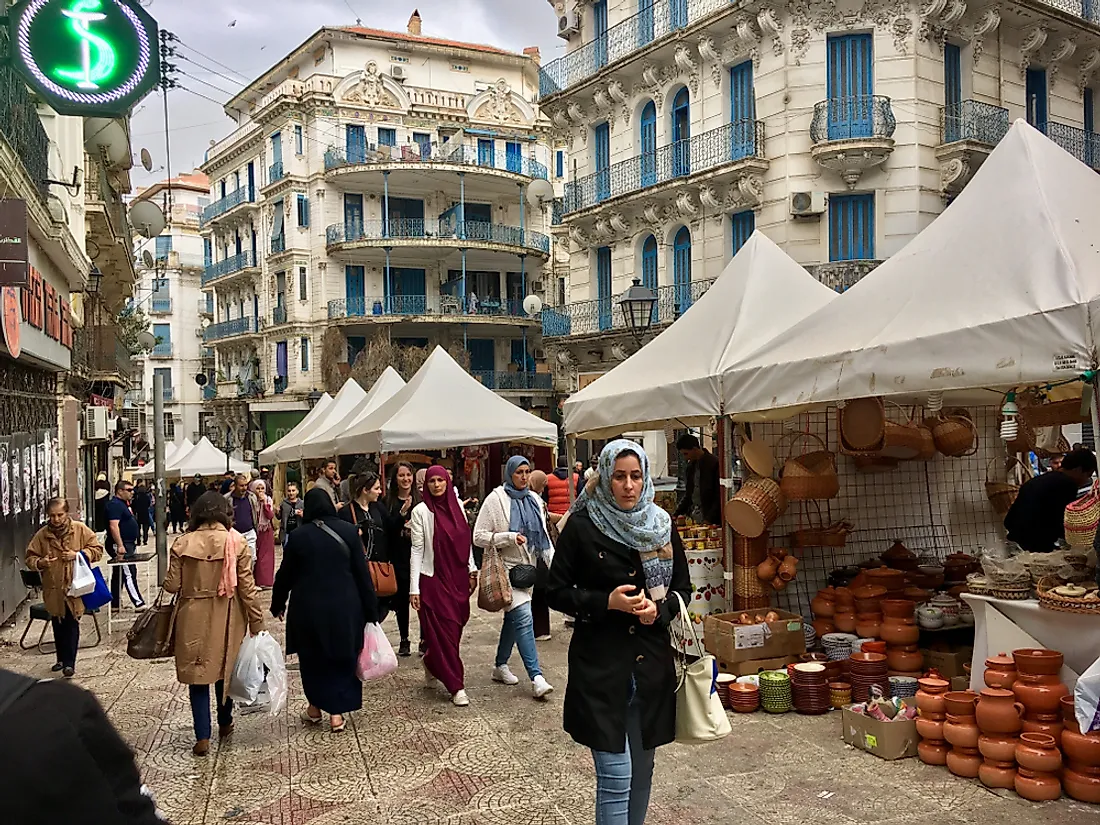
x: 1002, y: 626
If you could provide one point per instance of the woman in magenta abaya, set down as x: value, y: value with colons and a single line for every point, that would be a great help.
x: 442, y: 578
x: 264, y: 570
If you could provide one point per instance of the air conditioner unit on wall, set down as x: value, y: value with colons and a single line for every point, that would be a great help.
x: 805, y: 204
x: 96, y: 424
x: 399, y: 73
x: 569, y: 25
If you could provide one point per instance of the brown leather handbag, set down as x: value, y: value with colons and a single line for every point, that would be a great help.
x: 153, y: 634
x: 382, y: 574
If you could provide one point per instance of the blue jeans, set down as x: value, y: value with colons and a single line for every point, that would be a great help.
x: 200, y: 708
x: 518, y: 630
x: 623, y: 780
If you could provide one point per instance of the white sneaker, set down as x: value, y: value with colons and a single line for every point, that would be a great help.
x: 505, y: 676
x: 545, y: 638
x: 541, y: 688
x: 460, y: 699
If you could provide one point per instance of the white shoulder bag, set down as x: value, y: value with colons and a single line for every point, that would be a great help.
x: 700, y: 716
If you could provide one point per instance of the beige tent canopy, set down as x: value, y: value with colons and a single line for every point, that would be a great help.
x: 172, y: 453
x: 206, y: 459
x: 280, y: 450
x: 350, y: 396
x: 327, y: 442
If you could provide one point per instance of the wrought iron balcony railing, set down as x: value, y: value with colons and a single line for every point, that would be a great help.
x: 655, y: 20
x: 973, y: 120
x: 557, y: 209
x: 280, y: 382
x: 852, y: 118
x: 276, y: 172
x: 1085, y: 9
x: 1085, y: 146
x: 229, y: 329
x: 278, y: 316
x: 210, y: 392
x: 462, y: 154
x: 22, y: 128
x: 605, y: 314
x: 206, y: 305
x: 419, y: 229
x: 223, y: 205
x: 168, y: 394
x: 161, y: 350
x: 442, y: 304
x: 841, y: 276
x: 504, y: 381
x: 234, y: 263
x: 278, y: 244
x: 160, y: 306
x: 726, y: 144
x: 105, y: 351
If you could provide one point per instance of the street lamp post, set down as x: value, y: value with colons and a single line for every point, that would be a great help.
x: 637, y: 304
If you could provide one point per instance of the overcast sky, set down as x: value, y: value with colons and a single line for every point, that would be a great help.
x: 265, y: 31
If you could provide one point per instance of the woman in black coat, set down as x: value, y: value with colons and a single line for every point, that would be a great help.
x: 400, y: 500
x: 377, y: 528
x: 617, y: 568
x: 334, y: 600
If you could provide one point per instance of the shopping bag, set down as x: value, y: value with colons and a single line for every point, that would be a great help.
x: 494, y: 590
x: 83, y: 580
x: 1086, y: 699
x: 259, y: 661
x: 700, y: 716
x: 152, y: 635
x: 100, y: 595
x: 377, y: 658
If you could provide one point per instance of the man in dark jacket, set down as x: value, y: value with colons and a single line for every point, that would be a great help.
x: 194, y: 491
x: 63, y: 759
x: 702, y: 500
x: 142, y: 505
x: 1037, y: 518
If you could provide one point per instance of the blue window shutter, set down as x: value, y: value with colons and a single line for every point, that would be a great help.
x: 163, y: 332
x: 303, y: 210
x: 851, y: 227
x: 559, y: 163
x: 387, y: 136
x: 1036, y: 100
x: 207, y: 252
x: 850, y: 84
x: 603, y: 161
x: 424, y: 141
x: 163, y: 246
x: 681, y: 134
x: 649, y: 270
x: 486, y: 152
x: 304, y: 346
x: 599, y: 21
x: 603, y: 286
x: 647, y: 134
x: 952, y: 93
x: 355, y: 143
x: 645, y: 22
x: 742, y: 111
x: 743, y: 224
x: 299, y: 140
x: 681, y: 268
x: 277, y: 147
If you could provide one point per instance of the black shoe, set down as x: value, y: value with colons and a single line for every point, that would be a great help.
x: 67, y: 672
x: 422, y: 648
x: 56, y: 667
x: 405, y: 649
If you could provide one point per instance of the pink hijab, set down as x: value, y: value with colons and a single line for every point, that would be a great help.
x: 452, y: 530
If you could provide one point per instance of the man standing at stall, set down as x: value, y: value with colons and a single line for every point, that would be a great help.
x: 1036, y: 519
x: 702, y: 500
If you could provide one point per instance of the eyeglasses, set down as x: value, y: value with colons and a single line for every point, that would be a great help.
x: 127, y: 489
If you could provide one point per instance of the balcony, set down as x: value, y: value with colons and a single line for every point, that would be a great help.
x: 22, y: 128
x: 206, y: 306
x: 108, y: 358
x: 732, y: 143
x: 281, y: 382
x: 275, y: 173
x: 160, y: 306
x: 463, y: 154
x: 852, y: 134
x: 168, y: 395
x: 278, y: 316
x: 605, y: 315
x: 662, y: 18
x: 233, y: 264
x: 444, y: 304
x: 278, y: 244
x: 969, y: 130
x: 1085, y: 9
x: 223, y: 205
x: 161, y: 350
x: 1085, y: 146
x: 445, y: 232
x: 229, y: 329
x: 515, y: 381
x: 209, y: 392
x: 842, y: 275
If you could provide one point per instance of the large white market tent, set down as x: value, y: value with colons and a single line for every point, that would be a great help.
x: 206, y: 459
x: 1001, y: 290
x: 444, y: 406
x: 678, y: 376
x: 280, y: 450
x: 350, y: 396
x: 326, y: 443
x: 172, y: 452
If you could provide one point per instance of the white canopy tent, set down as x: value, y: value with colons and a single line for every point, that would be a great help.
x: 1001, y: 290
x: 346, y: 401
x: 280, y: 450
x: 206, y: 459
x: 444, y: 406
x: 326, y: 443
x: 172, y: 452
x: 760, y: 294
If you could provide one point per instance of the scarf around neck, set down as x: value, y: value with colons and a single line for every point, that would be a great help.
x: 525, y: 515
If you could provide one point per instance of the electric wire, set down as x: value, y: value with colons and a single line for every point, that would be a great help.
x: 206, y: 83
x: 175, y: 38
x: 208, y: 70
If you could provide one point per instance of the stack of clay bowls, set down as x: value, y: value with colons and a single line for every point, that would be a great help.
x: 722, y: 685
x: 932, y: 707
x: 1038, y: 685
x: 744, y: 697
x: 961, y: 731
x: 1000, y: 720
x: 775, y: 691
x: 1081, y: 778
x: 867, y: 670
x: 809, y: 688
x: 1040, y: 764
x: 900, y: 632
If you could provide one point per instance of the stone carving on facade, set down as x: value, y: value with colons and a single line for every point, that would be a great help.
x: 651, y: 211
x: 749, y: 37
x: 1092, y: 60
x: 619, y: 223
x: 709, y: 53
x: 902, y: 29
x: 576, y: 113
x: 746, y: 193
x: 499, y: 106
x: 800, y: 42
x: 1032, y: 40
x: 986, y: 25
x: 954, y: 174
x: 708, y: 196
x: 618, y: 94
x: 559, y: 119
x: 929, y: 32
x: 601, y: 229
x: 816, y: 14
x: 685, y: 206
x: 771, y: 26
x: 687, y: 66
x: 603, y: 105
x: 579, y: 237
x: 1061, y: 53
x: 370, y: 90
x: 651, y: 84
x: 953, y: 13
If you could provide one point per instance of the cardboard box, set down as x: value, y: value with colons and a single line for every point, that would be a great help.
x: 751, y: 666
x: 886, y: 740
x: 948, y: 663
x: 960, y: 683
x: 732, y: 643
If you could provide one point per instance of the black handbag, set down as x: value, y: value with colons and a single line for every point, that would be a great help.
x: 523, y: 576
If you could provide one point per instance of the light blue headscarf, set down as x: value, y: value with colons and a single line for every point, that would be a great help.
x: 526, y: 515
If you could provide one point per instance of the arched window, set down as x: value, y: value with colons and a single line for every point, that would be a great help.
x: 649, y: 269
x: 647, y: 129
x: 681, y: 134
x: 681, y: 269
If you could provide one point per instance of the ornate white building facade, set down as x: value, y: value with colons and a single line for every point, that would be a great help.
x: 377, y: 185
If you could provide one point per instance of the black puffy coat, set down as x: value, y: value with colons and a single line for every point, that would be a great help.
x: 609, y: 646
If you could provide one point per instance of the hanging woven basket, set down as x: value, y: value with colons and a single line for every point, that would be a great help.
x: 1002, y: 494
x: 955, y: 434
x: 810, y: 475
x: 1082, y: 518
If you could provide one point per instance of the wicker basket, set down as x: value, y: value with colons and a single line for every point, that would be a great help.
x: 902, y: 441
x: 750, y: 552
x: 746, y: 583
x: 955, y: 434
x: 874, y: 463
x: 1053, y: 413
x: 1001, y: 494
x: 1082, y: 518
x: 810, y: 475
x: 755, y: 507
x: 819, y: 534
x: 927, y: 444
x: 1052, y: 601
x: 862, y: 426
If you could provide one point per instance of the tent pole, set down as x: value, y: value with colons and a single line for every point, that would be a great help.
x: 1095, y: 409
x: 571, y: 457
x: 725, y: 436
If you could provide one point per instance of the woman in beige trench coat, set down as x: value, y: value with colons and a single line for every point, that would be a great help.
x: 211, y: 569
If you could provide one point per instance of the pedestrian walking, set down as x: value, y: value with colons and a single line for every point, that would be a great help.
x: 328, y: 479
x: 228, y: 480
x: 177, y: 508
x: 194, y: 491
x: 142, y: 506
x: 265, y: 535
x: 121, y: 544
x: 540, y: 610
x: 210, y: 567
x: 401, y: 500
x: 513, y: 520
x: 102, y: 496
x: 617, y: 568
x: 325, y: 577
x: 442, y: 578
x: 52, y: 552
x: 289, y: 515
x: 246, y: 510
x: 377, y: 528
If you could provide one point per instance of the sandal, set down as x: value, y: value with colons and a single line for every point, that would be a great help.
x: 339, y: 728
x: 310, y: 720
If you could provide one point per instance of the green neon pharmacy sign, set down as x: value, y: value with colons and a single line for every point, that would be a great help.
x: 91, y: 58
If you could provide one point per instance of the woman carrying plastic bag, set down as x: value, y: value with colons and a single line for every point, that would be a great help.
x: 377, y: 658
x: 259, y: 662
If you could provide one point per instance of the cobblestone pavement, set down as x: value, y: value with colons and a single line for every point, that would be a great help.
x: 411, y: 758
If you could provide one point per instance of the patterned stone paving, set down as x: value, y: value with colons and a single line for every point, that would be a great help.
x: 410, y: 758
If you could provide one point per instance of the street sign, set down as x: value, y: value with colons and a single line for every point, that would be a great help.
x: 88, y: 58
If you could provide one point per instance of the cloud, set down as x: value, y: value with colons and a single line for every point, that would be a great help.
x: 267, y: 30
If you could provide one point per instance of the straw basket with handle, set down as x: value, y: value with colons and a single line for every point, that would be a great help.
x: 817, y: 533
x: 810, y: 475
x: 1002, y: 494
x: 1082, y: 518
x: 955, y: 434
x: 1053, y: 413
x: 902, y: 441
x: 862, y: 426
x: 755, y: 507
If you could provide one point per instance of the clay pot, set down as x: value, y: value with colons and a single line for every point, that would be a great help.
x: 1068, y: 714
x: 960, y: 702
x: 869, y: 591
x: 933, y: 752
x: 887, y: 577
x: 844, y: 599
x: 867, y: 625
x: 898, y: 552
x: 930, y: 695
x: 928, y: 728
x: 1048, y: 723
x: 1082, y: 786
x: 767, y: 569
x: 898, y: 609
x: 1040, y: 693
x: 1038, y: 752
x: 961, y: 731
x: 904, y: 659
x: 1038, y: 661
x: 877, y: 646
x: 998, y: 747
x: 869, y: 606
x: 1000, y: 671
x: 964, y: 762
x: 823, y: 626
x: 917, y: 595
x: 845, y: 621
x: 1082, y: 749
x: 823, y: 607
x: 1037, y: 786
x: 895, y: 631
x: 788, y: 567
x: 958, y: 566
x: 999, y: 712
x: 779, y: 583
x: 998, y: 774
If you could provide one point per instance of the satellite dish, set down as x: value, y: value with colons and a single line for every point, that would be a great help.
x: 146, y: 160
x: 201, y: 379
x: 539, y: 191
x: 102, y: 134
x: 146, y: 339
x: 147, y: 259
x: 532, y: 305
x: 147, y: 218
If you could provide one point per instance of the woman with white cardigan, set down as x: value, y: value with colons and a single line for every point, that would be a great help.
x: 513, y: 520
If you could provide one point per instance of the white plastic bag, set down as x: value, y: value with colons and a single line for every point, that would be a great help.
x: 377, y: 658
x: 83, y: 580
x: 258, y: 652
x: 1086, y: 699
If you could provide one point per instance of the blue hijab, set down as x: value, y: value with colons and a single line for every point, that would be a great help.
x: 526, y: 515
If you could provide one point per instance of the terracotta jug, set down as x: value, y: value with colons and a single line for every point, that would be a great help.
x: 1038, y: 661
x: 823, y: 606
x: 788, y: 567
x: 999, y: 712
x: 1082, y: 786
x: 964, y: 762
x: 779, y: 583
x: 1081, y: 749
x: 961, y: 732
x: 1037, y: 786
x: 998, y: 747
x: 1040, y: 693
x: 933, y: 751
x: 868, y: 624
x: 1038, y: 752
x: 898, y: 608
x: 767, y: 569
x: 998, y: 774
x: 896, y: 631
x: 1000, y: 671
x: 845, y: 621
x: 960, y: 702
x: 930, y: 695
x: 823, y: 626
x: 1048, y: 723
